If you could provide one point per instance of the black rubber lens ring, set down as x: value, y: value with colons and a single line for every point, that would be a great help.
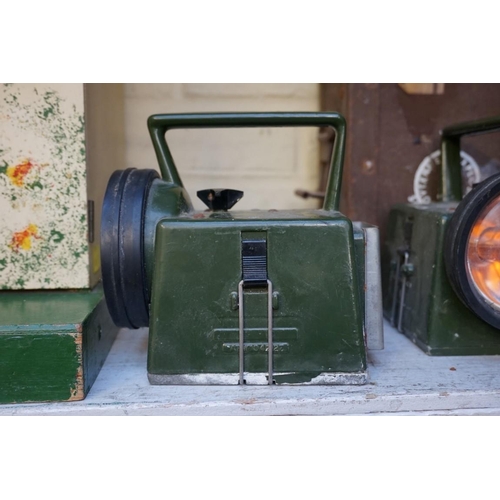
x: 110, y: 222
x: 455, y: 248
x: 132, y: 268
x: 122, y: 247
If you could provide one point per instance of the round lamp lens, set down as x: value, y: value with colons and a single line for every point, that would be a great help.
x: 483, y: 253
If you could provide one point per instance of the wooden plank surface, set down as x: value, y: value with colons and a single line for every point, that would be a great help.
x: 403, y: 380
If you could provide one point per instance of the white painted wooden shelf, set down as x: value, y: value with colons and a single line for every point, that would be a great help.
x: 402, y: 380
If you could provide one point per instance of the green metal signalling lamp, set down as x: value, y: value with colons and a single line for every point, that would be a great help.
x: 441, y: 263
x: 240, y: 297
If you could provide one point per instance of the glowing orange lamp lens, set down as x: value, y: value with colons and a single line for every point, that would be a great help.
x: 483, y: 253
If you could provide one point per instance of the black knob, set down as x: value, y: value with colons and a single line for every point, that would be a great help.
x: 220, y: 199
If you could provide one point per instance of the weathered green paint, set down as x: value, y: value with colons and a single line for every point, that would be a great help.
x: 21, y: 310
x: 52, y: 344
x: 99, y: 333
x: 434, y: 317
x: 39, y: 367
x: 311, y: 262
x: 193, y: 263
x: 165, y: 199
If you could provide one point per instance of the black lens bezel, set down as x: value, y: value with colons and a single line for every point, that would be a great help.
x: 455, y: 248
x: 124, y: 276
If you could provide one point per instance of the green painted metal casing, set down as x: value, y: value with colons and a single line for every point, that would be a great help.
x: 432, y: 315
x: 193, y: 259
x: 317, y: 313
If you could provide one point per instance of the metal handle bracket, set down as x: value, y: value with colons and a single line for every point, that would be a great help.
x: 451, y: 178
x: 159, y: 125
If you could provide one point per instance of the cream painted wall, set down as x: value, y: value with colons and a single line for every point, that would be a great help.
x: 267, y: 164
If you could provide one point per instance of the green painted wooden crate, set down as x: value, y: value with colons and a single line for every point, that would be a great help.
x: 58, y: 145
x: 52, y: 344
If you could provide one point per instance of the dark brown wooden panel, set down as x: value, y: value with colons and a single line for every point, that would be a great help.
x: 390, y: 132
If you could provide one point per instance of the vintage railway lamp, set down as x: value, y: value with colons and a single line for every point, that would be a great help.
x: 240, y: 297
x: 441, y: 263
